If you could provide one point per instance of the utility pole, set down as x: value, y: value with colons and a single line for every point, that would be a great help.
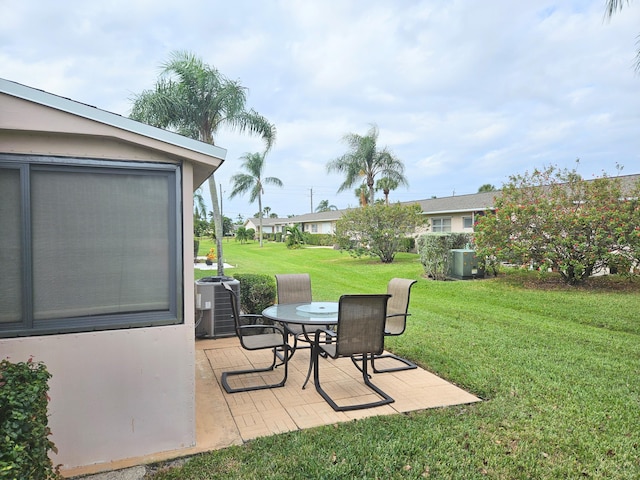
x: 311, y: 190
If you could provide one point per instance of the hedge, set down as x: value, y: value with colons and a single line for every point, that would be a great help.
x: 24, y: 430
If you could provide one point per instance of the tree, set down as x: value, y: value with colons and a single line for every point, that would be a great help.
x: 363, y: 161
x: 554, y: 219
x: 241, y: 234
x: 293, y: 236
x: 199, y: 208
x: 386, y: 184
x: 324, y: 206
x: 227, y: 226
x: 362, y: 195
x: 487, y: 187
x: 377, y: 230
x: 253, y: 181
x: 612, y: 7
x: 196, y: 100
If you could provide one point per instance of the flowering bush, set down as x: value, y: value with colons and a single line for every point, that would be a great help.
x: 211, y: 255
x: 553, y: 219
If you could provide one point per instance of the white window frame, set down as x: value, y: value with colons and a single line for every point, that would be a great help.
x: 441, y: 224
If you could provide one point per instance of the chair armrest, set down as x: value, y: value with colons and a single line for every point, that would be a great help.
x: 329, y: 335
x: 399, y: 315
x: 251, y: 315
x: 275, y: 328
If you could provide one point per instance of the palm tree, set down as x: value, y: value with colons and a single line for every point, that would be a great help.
x: 324, y: 206
x: 199, y: 208
x: 196, y: 100
x: 364, y: 161
x: 386, y: 184
x: 612, y: 7
x: 252, y: 181
x: 361, y: 194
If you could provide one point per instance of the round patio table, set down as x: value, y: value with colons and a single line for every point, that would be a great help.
x: 312, y: 316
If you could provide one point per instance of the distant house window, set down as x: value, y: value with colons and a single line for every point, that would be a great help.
x: 441, y: 224
x: 467, y: 222
x: 314, y: 228
x: 88, y: 245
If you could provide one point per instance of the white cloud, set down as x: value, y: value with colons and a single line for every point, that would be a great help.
x: 465, y: 93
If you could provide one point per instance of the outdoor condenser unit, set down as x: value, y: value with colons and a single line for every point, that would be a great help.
x: 463, y: 265
x: 214, y: 317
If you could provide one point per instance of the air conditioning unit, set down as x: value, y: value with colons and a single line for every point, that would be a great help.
x: 214, y: 316
x: 463, y: 265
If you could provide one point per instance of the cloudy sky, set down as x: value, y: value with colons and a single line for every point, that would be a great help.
x: 463, y: 92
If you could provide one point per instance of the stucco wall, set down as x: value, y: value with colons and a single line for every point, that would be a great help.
x: 122, y: 393
x: 116, y: 394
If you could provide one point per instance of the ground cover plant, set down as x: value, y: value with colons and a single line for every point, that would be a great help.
x: 558, y: 368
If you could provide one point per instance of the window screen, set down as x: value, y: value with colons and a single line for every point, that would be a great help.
x: 102, y: 246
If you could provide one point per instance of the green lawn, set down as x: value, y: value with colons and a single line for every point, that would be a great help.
x: 558, y: 368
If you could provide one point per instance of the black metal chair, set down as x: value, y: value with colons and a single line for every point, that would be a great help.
x: 255, y: 336
x: 360, y: 331
x: 397, y: 313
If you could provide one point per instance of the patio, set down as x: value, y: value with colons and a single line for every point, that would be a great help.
x: 224, y: 419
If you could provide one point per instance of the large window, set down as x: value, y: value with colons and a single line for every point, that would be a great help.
x: 88, y: 245
x: 442, y: 224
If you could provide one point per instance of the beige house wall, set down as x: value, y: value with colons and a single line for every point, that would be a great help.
x: 115, y: 394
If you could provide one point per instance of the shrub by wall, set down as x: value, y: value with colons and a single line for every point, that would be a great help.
x: 257, y: 291
x: 434, y: 251
x: 24, y: 430
x: 320, y: 239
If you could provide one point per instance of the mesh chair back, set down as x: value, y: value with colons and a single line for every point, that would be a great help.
x: 293, y: 288
x: 361, y: 320
x: 399, y: 289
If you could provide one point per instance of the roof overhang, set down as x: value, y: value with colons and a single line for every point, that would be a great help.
x: 85, y: 120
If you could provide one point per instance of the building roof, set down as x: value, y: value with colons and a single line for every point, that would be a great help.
x: 26, y: 110
x: 457, y: 203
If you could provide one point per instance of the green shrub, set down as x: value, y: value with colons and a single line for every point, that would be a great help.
x: 434, y: 251
x: 407, y: 245
x: 257, y: 291
x: 320, y: 239
x: 24, y: 432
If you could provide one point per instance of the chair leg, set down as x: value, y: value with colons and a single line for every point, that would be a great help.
x: 229, y: 389
x: 407, y: 364
x: 385, y: 398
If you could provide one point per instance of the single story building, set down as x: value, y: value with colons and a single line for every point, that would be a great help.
x: 96, y: 236
x: 457, y: 213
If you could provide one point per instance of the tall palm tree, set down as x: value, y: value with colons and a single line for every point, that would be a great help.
x: 612, y: 7
x: 324, y: 206
x: 363, y: 160
x: 252, y: 181
x: 386, y: 184
x: 199, y: 208
x: 362, y: 195
x: 196, y: 100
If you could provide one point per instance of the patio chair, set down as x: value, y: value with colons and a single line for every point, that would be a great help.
x: 397, y: 313
x: 295, y: 288
x: 254, y: 336
x: 360, y: 331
